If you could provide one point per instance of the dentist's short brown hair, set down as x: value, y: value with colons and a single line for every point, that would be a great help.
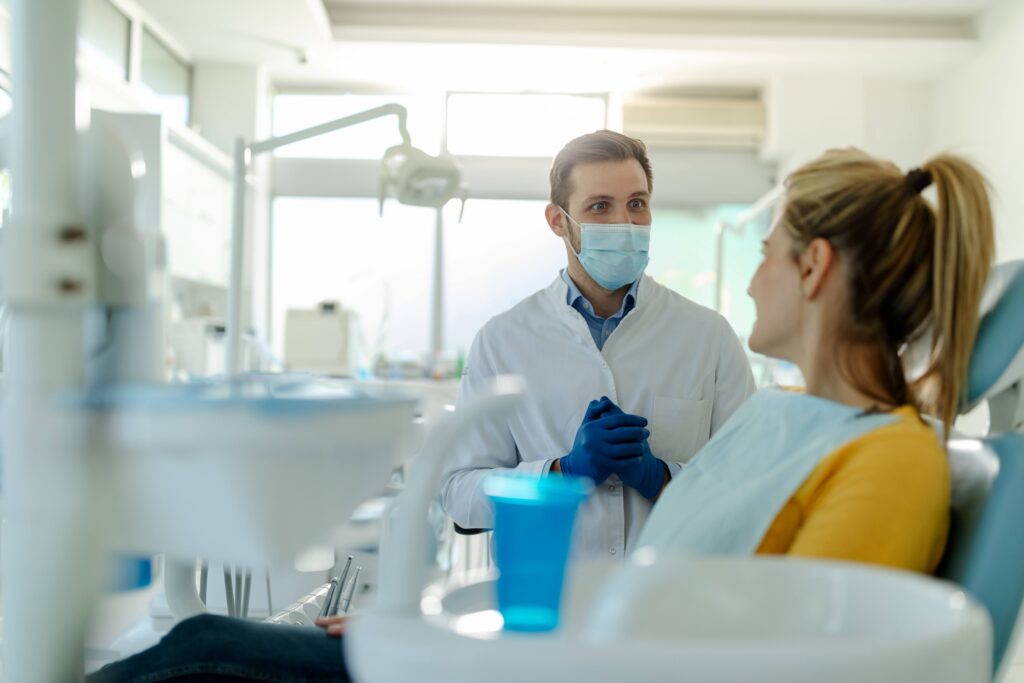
x: 599, y: 146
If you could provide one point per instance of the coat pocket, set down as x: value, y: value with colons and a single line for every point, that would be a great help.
x: 680, y: 427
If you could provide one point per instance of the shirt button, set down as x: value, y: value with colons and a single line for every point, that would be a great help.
x: 611, y: 551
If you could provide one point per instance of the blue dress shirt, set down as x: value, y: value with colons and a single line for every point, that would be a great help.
x: 600, y: 328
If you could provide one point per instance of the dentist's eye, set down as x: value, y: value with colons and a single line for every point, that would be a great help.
x: 598, y: 206
x: 638, y: 204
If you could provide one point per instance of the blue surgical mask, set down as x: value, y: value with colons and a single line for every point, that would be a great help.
x: 613, y: 254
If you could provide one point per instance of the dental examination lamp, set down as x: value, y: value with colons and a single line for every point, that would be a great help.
x: 416, y: 178
x: 410, y: 175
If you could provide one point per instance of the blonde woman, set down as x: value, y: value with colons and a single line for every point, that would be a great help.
x: 861, y: 275
x: 874, y: 293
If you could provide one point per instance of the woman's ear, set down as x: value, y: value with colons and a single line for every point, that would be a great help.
x: 815, y: 263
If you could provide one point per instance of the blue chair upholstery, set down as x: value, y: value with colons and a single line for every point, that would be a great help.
x: 999, y: 347
x: 985, y: 552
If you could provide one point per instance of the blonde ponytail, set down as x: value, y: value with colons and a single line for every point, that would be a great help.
x: 964, y: 248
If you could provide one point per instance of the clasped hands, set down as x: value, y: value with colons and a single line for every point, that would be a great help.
x: 610, y: 441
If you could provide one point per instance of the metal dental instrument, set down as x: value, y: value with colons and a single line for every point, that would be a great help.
x: 203, y: 580
x: 351, y: 591
x: 270, y: 603
x: 246, y: 587
x: 332, y: 607
x: 329, y: 597
x: 238, y: 591
x: 229, y: 593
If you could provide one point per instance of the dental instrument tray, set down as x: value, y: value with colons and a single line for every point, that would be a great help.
x: 250, y: 469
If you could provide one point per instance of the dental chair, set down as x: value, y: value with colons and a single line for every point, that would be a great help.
x: 985, y: 551
x: 728, y: 619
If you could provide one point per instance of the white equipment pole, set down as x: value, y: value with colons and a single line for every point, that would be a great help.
x: 437, y: 295
x: 233, y: 340
x: 51, y: 506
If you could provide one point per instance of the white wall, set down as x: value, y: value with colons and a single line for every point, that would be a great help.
x: 978, y: 110
x: 897, y: 123
x: 228, y: 101
x: 231, y: 101
x: 808, y: 114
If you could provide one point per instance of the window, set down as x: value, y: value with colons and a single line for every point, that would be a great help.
x: 741, y: 257
x: 341, y: 249
x: 367, y: 140
x: 104, y: 36
x: 167, y: 77
x: 741, y: 252
x: 519, y: 125
x: 683, y: 250
x: 502, y: 252
x: 683, y: 258
x: 381, y: 267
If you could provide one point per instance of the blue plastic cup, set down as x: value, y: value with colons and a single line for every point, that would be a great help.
x: 533, y: 522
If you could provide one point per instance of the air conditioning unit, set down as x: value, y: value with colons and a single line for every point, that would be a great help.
x: 696, y: 121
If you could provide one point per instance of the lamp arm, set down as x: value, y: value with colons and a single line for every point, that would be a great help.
x: 398, y: 110
x: 243, y: 154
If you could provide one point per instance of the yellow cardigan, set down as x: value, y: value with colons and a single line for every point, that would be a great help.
x: 882, y: 498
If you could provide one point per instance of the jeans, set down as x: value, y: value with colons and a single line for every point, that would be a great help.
x: 215, y: 649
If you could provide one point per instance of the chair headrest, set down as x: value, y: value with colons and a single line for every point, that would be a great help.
x: 998, y: 358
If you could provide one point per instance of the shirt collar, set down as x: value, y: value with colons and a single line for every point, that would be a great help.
x: 574, y: 295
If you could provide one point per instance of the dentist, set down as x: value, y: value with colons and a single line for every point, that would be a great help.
x: 626, y: 379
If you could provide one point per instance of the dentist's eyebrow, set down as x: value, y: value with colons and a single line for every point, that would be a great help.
x: 609, y: 198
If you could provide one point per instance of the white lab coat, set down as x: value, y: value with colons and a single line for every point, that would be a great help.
x: 675, y: 362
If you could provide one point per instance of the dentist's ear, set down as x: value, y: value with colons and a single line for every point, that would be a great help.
x: 556, y: 221
x: 816, y: 261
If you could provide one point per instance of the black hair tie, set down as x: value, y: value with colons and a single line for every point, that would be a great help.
x: 918, y: 180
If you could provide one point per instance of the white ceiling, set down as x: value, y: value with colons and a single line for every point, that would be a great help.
x: 571, y: 45
x: 476, y: 67
x: 241, y: 30
x: 910, y: 8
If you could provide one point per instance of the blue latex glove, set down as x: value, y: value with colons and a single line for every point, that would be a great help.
x: 603, y: 440
x: 645, y: 473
